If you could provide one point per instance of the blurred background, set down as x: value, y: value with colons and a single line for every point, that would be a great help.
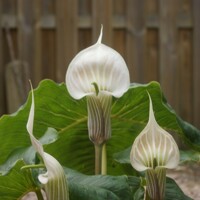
x: 159, y: 40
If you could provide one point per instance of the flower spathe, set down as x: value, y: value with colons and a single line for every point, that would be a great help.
x: 98, y: 72
x: 54, y: 179
x: 154, y: 147
x: 153, y: 151
x: 98, y: 64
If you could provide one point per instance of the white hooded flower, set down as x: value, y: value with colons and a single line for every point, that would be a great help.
x: 54, y: 179
x: 98, y: 72
x: 154, y: 150
x: 154, y: 147
x: 98, y: 64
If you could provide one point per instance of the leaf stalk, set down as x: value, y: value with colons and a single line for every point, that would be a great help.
x: 98, y: 158
x: 104, y: 160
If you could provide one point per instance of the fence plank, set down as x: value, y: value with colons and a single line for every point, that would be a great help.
x: 196, y: 70
x: 25, y: 30
x: 151, y: 68
x: 8, y: 7
x: 2, y: 86
x: 136, y: 38
x: 168, y: 50
x: 159, y: 40
x: 102, y: 14
x: 119, y: 8
x: 37, y: 69
x: 152, y: 11
x: 84, y: 39
x: 119, y: 41
x: 25, y: 42
x: 66, y: 35
x: 85, y: 7
x: 185, y: 74
x: 48, y: 60
x: 185, y: 14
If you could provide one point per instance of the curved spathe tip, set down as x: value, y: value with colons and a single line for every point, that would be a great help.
x: 100, y: 35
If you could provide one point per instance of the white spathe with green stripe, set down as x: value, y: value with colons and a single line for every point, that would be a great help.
x: 54, y: 179
x: 98, y: 64
x: 154, y: 147
x: 98, y: 72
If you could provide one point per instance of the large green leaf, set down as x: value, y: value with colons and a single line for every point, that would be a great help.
x: 16, y: 183
x: 55, y: 108
x: 99, y: 187
x: 115, y: 188
x: 173, y: 192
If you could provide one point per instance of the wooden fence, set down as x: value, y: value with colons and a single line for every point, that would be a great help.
x: 159, y: 39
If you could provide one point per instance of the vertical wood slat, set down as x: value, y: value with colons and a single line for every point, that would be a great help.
x: 25, y: 41
x: 143, y: 42
x: 129, y: 40
x: 151, y: 70
x: 151, y: 65
x: 168, y: 50
x: 66, y: 35
x: 196, y: 70
x: 85, y: 40
x: 119, y: 8
x: 48, y: 61
x: 37, y: 64
x: 25, y: 30
x: 119, y: 39
x: 185, y: 74
x: 2, y: 88
x: 136, y: 31
x: 102, y: 14
x: 16, y: 72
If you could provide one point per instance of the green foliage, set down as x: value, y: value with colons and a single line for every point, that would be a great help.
x: 189, y: 156
x: 55, y: 108
x: 173, y: 191
x: 27, y: 153
x: 99, y: 187
x: 17, y: 183
x: 68, y: 141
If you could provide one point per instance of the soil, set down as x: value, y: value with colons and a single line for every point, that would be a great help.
x: 186, y: 176
x: 188, y: 179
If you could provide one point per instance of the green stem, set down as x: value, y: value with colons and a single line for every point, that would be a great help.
x: 98, y: 158
x: 104, y: 161
x: 161, y: 174
x: 33, y: 166
x: 146, y: 195
x: 39, y: 194
x: 152, y: 184
x: 156, y: 180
